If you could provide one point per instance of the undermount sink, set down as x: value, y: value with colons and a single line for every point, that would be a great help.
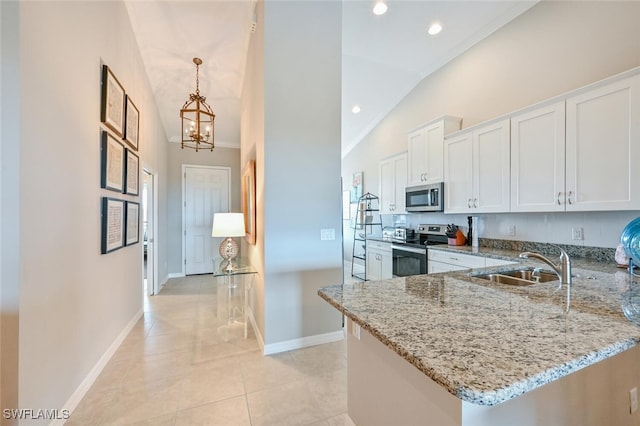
x: 519, y: 277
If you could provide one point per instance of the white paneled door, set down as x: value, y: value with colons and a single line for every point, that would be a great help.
x: 206, y: 191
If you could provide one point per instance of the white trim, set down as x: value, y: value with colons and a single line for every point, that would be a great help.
x: 174, y: 275
x: 83, y: 388
x: 303, y: 342
x: 184, y: 204
x: 154, y: 222
x: 256, y: 330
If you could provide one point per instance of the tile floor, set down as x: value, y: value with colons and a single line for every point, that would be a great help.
x: 175, y: 368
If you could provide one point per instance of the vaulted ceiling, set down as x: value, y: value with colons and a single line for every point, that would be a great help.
x: 384, y: 57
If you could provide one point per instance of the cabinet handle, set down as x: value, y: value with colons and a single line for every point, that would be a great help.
x: 569, y: 197
x: 475, y: 203
x: 558, y: 197
x: 469, y: 203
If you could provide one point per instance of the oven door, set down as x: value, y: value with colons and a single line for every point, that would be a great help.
x: 408, y: 260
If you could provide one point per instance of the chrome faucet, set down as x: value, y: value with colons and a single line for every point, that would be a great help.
x: 563, y: 270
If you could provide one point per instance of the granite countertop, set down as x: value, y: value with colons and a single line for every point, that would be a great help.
x: 486, y: 342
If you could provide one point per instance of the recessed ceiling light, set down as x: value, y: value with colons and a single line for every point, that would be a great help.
x: 355, y: 109
x: 380, y: 8
x: 435, y: 28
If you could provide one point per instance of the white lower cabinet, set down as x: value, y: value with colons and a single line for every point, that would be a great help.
x: 445, y: 261
x: 378, y: 260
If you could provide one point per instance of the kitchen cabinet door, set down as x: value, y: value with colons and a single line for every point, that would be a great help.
x: 378, y: 264
x: 477, y: 170
x: 417, y: 157
x: 538, y: 159
x: 491, y: 168
x: 393, y: 180
x: 426, y: 151
x: 603, y: 148
x: 372, y: 265
x: 458, y: 175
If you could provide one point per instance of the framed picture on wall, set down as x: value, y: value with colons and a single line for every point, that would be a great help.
x: 356, y: 187
x: 131, y: 123
x: 249, y: 200
x: 112, y: 106
x: 132, y: 230
x: 111, y: 163
x: 112, y: 224
x: 132, y: 173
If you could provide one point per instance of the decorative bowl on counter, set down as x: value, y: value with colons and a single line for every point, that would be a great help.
x: 630, y: 240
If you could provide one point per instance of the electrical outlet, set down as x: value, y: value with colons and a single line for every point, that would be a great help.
x: 328, y: 234
x: 511, y: 231
x: 633, y: 400
x: 577, y: 234
x: 355, y: 331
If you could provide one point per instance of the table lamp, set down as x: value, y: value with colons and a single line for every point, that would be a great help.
x: 228, y: 225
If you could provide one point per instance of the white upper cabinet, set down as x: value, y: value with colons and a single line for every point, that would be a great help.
x: 603, y: 147
x: 392, y: 173
x: 426, y: 150
x: 458, y: 180
x: 578, y: 154
x: 538, y: 159
x: 477, y: 170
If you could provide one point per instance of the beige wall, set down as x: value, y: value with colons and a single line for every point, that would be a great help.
x: 74, y: 302
x: 552, y: 48
x: 252, y: 148
x: 291, y: 124
x: 225, y: 157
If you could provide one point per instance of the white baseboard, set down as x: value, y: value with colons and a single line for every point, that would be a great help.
x: 82, y: 390
x: 176, y: 275
x: 303, y: 342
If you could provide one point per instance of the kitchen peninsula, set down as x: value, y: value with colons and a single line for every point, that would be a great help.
x: 455, y: 349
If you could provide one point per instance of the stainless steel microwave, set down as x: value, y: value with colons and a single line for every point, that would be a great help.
x: 425, y: 198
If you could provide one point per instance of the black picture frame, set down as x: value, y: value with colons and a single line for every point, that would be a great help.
x: 132, y: 173
x: 112, y: 157
x: 132, y: 227
x: 112, y: 224
x: 113, y: 102
x: 131, y: 123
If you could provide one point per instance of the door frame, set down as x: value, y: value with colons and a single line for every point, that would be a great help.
x: 154, y: 287
x: 184, y: 204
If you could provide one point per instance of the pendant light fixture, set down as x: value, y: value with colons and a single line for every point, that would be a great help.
x: 197, y: 118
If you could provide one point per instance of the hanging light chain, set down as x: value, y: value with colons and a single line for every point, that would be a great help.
x: 197, y: 76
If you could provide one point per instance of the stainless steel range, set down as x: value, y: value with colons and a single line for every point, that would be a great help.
x: 409, y: 248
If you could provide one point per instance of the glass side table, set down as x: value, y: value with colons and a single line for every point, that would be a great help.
x: 232, y: 289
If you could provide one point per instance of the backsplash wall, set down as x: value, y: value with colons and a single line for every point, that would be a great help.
x: 600, y: 229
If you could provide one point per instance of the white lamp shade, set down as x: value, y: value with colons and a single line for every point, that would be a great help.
x: 228, y: 225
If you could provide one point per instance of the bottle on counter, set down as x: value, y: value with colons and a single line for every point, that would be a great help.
x: 474, y: 239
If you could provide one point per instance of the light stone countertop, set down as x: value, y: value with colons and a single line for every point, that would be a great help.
x: 486, y: 342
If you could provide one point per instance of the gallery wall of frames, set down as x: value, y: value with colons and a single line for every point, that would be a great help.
x: 119, y: 165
